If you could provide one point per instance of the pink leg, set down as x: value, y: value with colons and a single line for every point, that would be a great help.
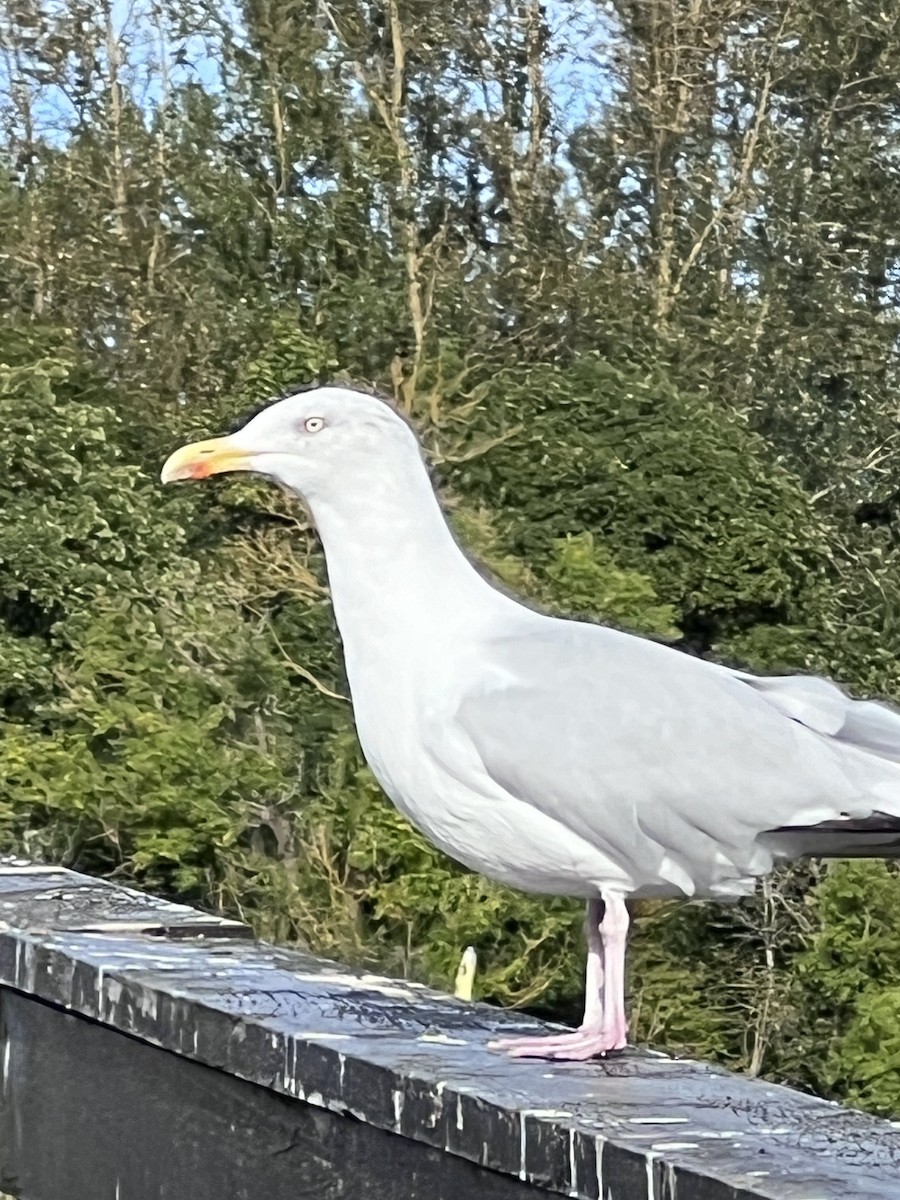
x: 604, y: 1026
x: 614, y: 934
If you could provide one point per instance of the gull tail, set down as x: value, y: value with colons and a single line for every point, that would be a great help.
x: 877, y: 836
x: 873, y: 727
x: 821, y: 706
x: 868, y: 729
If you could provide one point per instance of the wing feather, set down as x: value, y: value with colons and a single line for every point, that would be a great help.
x: 665, y: 762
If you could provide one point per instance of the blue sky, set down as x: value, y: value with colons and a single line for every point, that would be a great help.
x: 578, y: 76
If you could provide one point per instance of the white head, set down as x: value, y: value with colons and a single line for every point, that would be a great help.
x: 314, y: 442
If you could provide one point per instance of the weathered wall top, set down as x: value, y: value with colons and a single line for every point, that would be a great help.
x: 412, y: 1062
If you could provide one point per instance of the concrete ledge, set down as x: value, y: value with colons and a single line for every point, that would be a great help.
x: 149, y: 1051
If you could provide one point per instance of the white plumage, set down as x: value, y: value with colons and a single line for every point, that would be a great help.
x: 556, y: 756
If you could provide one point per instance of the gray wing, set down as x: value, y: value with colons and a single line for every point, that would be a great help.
x: 664, y: 761
x: 823, y: 707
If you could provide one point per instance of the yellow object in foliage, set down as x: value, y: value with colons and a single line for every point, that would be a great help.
x: 465, y: 975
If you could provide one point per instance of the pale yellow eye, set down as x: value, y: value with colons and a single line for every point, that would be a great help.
x: 314, y: 424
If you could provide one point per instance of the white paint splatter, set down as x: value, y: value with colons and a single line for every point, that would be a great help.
x: 289, y: 1066
x: 651, y: 1177
x: 397, y: 1096
x: 438, y: 1106
x: 573, y: 1165
x: 373, y: 983
x: 148, y: 1004
x: 650, y: 1134
x: 675, y: 1146
x: 23, y: 868
x: 313, y: 1035
x: 657, y: 1120
x: 671, y: 1179
x: 522, y: 1147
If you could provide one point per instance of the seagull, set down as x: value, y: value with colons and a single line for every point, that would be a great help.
x: 556, y: 756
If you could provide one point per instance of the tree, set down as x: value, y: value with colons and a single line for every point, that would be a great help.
x: 630, y: 266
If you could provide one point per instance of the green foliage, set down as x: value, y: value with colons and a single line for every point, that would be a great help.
x: 132, y: 687
x: 848, y: 978
x: 585, y: 578
x: 290, y: 356
x: 653, y: 353
x: 416, y: 911
x: 683, y: 491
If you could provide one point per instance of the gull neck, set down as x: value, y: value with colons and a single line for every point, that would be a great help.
x: 395, y: 571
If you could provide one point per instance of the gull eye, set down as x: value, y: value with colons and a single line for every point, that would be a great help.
x: 314, y: 424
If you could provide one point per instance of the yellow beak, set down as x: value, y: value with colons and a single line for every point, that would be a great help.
x: 201, y: 459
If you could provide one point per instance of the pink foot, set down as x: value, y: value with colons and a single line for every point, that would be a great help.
x: 576, y: 1046
x: 604, y: 1027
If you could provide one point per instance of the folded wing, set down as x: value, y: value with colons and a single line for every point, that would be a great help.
x: 676, y: 768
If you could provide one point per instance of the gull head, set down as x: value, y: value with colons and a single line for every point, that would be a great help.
x: 313, y: 442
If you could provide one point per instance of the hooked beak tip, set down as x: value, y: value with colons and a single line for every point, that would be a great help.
x: 199, y: 460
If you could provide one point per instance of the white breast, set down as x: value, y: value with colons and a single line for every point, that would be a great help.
x: 468, y: 816
x: 424, y: 761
